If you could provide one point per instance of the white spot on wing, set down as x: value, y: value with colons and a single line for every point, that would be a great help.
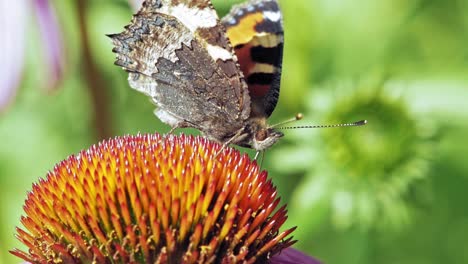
x: 272, y: 16
x: 216, y: 52
x: 192, y: 18
x: 167, y: 117
x: 262, y: 68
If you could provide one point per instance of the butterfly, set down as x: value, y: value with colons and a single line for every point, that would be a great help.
x: 220, y: 76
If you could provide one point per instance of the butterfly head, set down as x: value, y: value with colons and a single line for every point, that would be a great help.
x: 265, y: 138
x: 258, y: 135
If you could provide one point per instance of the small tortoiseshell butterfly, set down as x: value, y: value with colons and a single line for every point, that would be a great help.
x: 219, y: 76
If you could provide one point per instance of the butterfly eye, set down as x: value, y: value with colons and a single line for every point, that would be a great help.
x: 261, y: 135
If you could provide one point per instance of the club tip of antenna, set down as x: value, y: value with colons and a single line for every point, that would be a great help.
x: 299, y: 116
x: 361, y: 122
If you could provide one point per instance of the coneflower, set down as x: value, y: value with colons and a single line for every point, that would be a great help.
x: 148, y: 199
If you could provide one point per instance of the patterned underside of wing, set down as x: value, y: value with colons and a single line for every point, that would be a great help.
x: 255, y: 30
x: 177, y: 53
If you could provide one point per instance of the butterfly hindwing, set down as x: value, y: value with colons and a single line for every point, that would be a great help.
x: 177, y: 52
x: 256, y: 32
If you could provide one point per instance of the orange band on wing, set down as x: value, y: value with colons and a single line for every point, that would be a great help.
x: 244, y: 31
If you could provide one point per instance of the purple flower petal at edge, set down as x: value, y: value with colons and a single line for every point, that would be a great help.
x: 13, y: 20
x: 51, y: 41
x: 292, y: 256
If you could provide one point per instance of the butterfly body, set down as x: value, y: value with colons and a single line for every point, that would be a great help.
x: 180, y: 54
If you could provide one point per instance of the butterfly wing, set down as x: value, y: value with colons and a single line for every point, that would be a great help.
x: 177, y: 52
x: 255, y: 30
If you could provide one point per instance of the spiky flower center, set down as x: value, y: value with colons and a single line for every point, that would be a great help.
x: 146, y: 199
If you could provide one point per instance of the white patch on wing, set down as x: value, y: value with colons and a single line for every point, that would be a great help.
x: 192, y: 18
x: 167, y: 117
x: 263, y: 68
x: 272, y: 16
x: 232, y: 21
x: 266, y: 40
x: 216, y: 52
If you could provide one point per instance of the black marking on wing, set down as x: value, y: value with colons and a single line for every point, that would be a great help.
x: 260, y: 78
x: 267, y: 55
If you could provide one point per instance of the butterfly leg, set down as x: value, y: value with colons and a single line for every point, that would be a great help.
x: 263, y: 158
x: 239, y: 134
x: 170, y: 131
x: 178, y: 125
x: 256, y: 155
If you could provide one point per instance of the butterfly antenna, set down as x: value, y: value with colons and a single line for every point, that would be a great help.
x: 298, y: 116
x: 358, y: 123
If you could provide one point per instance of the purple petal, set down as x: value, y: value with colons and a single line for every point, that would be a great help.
x: 51, y: 41
x: 292, y: 256
x: 13, y: 19
x: 136, y: 4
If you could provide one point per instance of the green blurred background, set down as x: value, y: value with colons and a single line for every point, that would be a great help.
x: 394, y: 191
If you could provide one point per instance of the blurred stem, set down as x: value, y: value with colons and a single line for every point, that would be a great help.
x: 95, y: 84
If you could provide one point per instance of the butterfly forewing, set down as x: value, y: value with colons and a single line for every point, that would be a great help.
x: 177, y: 53
x: 255, y: 30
